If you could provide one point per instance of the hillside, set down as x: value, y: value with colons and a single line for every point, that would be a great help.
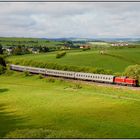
x: 114, y: 59
x: 46, y: 108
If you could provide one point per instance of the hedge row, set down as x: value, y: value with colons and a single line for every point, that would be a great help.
x: 60, y: 54
x: 56, y: 66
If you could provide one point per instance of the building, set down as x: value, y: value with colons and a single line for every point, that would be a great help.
x: 119, y: 44
x: 84, y: 47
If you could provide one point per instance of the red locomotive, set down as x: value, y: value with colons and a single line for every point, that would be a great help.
x: 125, y: 81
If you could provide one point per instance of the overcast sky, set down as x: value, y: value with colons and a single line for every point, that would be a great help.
x: 57, y: 19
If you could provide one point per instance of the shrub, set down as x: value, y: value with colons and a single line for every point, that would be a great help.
x: 50, y: 79
x: 26, y: 73
x: 118, y: 74
x: 40, y: 76
x: 60, y: 54
x: 2, y: 61
x: 85, y: 49
x: 2, y: 69
x: 133, y: 71
x: 9, y: 72
x: 77, y: 86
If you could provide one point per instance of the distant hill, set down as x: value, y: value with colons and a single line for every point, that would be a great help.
x: 95, y: 39
x: 74, y: 39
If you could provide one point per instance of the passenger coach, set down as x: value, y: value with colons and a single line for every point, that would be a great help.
x: 94, y: 77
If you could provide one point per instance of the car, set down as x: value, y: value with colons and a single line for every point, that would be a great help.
x: 94, y: 77
x: 60, y: 73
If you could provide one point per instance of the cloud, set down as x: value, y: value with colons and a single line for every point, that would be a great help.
x: 70, y: 19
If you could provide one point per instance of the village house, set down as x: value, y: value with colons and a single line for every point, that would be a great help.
x: 33, y: 50
x: 9, y: 51
x: 84, y: 47
x: 119, y: 44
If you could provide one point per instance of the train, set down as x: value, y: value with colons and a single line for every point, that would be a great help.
x: 111, y: 79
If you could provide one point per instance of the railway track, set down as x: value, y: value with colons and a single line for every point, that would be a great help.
x: 96, y: 83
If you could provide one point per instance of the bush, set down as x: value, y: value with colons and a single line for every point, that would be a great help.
x: 133, y: 71
x: 85, y: 49
x: 40, y: 76
x: 2, y: 61
x: 9, y: 72
x: 2, y: 69
x: 77, y: 86
x: 118, y: 74
x: 26, y: 73
x: 60, y: 54
x: 51, y: 80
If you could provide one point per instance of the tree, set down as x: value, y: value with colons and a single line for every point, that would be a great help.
x: 2, y: 62
x: 17, y: 50
x: 133, y: 71
x: 69, y: 44
x: 1, y: 50
x: 2, y: 69
x: 43, y: 49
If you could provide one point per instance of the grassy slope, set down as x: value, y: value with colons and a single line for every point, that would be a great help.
x: 38, y: 108
x: 118, y: 62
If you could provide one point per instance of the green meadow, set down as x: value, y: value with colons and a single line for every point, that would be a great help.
x: 29, y: 42
x: 31, y: 107
x: 114, y: 59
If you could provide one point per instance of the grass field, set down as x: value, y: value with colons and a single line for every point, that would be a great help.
x: 116, y: 60
x: 99, y: 44
x: 44, y: 108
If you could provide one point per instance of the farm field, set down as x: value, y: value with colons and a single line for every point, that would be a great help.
x: 29, y: 42
x: 99, y: 44
x: 115, y: 59
x: 45, y: 108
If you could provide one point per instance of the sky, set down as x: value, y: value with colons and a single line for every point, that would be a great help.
x: 70, y: 19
